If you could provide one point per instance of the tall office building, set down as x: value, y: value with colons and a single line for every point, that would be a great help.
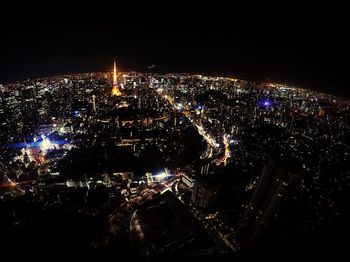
x: 276, y: 179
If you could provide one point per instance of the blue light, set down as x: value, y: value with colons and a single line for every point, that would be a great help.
x: 38, y: 143
x: 265, y: 103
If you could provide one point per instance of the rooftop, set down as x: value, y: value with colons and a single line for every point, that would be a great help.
x: 166, y: 224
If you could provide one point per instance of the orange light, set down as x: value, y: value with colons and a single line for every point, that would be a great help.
x: 115, y: 89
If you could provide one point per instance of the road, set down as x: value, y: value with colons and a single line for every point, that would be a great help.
x: 210, y: 141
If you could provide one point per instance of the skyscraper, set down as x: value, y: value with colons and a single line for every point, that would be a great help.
x: 275, y: 181
x: 115, y: 90
x: 205, y: 192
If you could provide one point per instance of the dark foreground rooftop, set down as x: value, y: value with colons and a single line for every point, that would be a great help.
x: 166, y: 225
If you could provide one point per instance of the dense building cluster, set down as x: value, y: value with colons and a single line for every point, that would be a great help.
x: 213, y: 164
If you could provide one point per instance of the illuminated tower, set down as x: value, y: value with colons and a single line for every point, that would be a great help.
x: 94, y: 103
x: 115, y: 90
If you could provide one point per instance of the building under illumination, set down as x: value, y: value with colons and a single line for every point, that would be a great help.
x: 115, y: 90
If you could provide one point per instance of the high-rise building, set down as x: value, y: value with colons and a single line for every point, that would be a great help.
x: 205, y: 169
x: 115, y: 90
x: 205, y: 192
x: 276, y: 179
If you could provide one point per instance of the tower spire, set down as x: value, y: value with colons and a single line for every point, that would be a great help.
x: 115, y: 90
x: 115, y: 78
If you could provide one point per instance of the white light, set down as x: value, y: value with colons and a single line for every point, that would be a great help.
x: 233, y: 141
x: 46, y: 144
x: 161, y: 175
x: 178, y: 106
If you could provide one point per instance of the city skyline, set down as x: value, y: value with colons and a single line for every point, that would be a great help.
x: 292, y: 47
x: 179, y: 130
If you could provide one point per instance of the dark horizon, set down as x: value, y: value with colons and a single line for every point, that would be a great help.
x: 295, y: 46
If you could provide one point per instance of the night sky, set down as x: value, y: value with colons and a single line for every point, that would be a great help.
x: 308, y: 47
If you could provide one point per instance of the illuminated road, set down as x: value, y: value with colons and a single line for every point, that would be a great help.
x: 207, y: 138
x: 199, y: 128
x: 227, y: 153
